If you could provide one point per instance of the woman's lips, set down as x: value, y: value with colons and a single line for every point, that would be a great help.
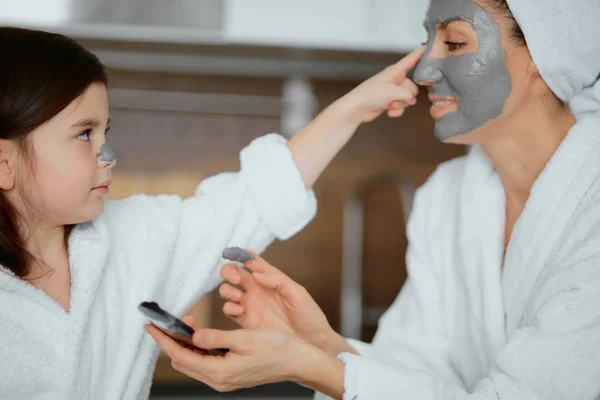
x: 442, y: 106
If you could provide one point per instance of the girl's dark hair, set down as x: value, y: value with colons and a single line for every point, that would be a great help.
x: 501, y: 6
x: 41, y: 73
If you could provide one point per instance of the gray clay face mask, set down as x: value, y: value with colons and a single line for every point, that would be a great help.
x: 479, y: 82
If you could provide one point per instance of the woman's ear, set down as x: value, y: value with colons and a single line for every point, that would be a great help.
x: 532, y: 70
x: 7, y: 167
x: 539, y: 85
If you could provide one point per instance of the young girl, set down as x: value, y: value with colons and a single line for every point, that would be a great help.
x: 502, y: 299
x: 74, y: 269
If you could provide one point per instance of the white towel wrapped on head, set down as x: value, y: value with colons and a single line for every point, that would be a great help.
x: 563, y: 38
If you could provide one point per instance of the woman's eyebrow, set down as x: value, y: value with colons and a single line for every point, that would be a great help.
x: 444, y: 24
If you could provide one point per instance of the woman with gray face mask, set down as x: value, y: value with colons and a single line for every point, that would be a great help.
x: 503, y: 295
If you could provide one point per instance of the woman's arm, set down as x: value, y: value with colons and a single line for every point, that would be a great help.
x: 553, y: 355
x: 322, y: 373
x: 255, y: 357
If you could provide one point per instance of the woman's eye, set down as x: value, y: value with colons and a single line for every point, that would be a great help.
x: 452, y: 46
x: 85, y: 136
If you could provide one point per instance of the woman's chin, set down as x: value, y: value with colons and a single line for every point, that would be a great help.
x: 451, y: 137
x: 471, y: 137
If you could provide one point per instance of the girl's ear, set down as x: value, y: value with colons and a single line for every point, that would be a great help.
x: 7, y: 167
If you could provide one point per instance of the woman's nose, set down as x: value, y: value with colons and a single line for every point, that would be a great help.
x: 106, y: 157
x: 428, y: 71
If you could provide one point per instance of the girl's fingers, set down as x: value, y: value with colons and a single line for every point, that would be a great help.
x: 398, y: 105
x: 396, y: 113
x: 401, y: 68
x: 402, y: 94
x: 410, y: 85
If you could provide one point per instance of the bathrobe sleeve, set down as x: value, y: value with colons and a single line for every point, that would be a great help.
x: 555, y: 353
x: 180, y: 242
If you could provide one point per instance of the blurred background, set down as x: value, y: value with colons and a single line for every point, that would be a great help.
x: 194, y: 81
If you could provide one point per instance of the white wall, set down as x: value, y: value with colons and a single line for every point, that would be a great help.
x: 376, y: 24
x: 45, y: 12
x: 386, y: 25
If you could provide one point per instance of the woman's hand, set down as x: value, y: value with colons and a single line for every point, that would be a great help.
x: 390, y: 90
x: 268, y: 298
x: 255, y: 357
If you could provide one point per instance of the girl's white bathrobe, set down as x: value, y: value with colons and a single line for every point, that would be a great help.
x: 143, y: 248
x: 471, y: 323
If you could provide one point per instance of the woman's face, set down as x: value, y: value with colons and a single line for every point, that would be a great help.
x: 475, y: 72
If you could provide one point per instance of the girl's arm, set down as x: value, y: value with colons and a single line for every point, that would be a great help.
x: 315, y: 146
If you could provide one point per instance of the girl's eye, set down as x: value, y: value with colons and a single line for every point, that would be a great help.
x: 454, y: 46
x: 85, y: 136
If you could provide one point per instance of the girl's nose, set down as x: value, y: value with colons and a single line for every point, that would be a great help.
x: 106, y: 157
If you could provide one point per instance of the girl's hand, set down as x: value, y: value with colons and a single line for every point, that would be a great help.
x: 255, y: 357
x: 268, y: 298
x: 317, y: 144
x: 389, y: 90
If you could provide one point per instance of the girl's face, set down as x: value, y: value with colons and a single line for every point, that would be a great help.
x: 63, y: 182
x: 474, y: 70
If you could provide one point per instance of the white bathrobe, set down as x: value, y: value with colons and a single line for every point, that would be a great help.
x: 468, y: 325
x: 143, y: 248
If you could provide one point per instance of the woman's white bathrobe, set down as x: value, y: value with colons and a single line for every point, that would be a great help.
x: 467, y: 325
x: 160, y: 248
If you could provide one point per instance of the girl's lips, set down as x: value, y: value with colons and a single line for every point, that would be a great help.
x: 104, y: 187
x: 106, y: 183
